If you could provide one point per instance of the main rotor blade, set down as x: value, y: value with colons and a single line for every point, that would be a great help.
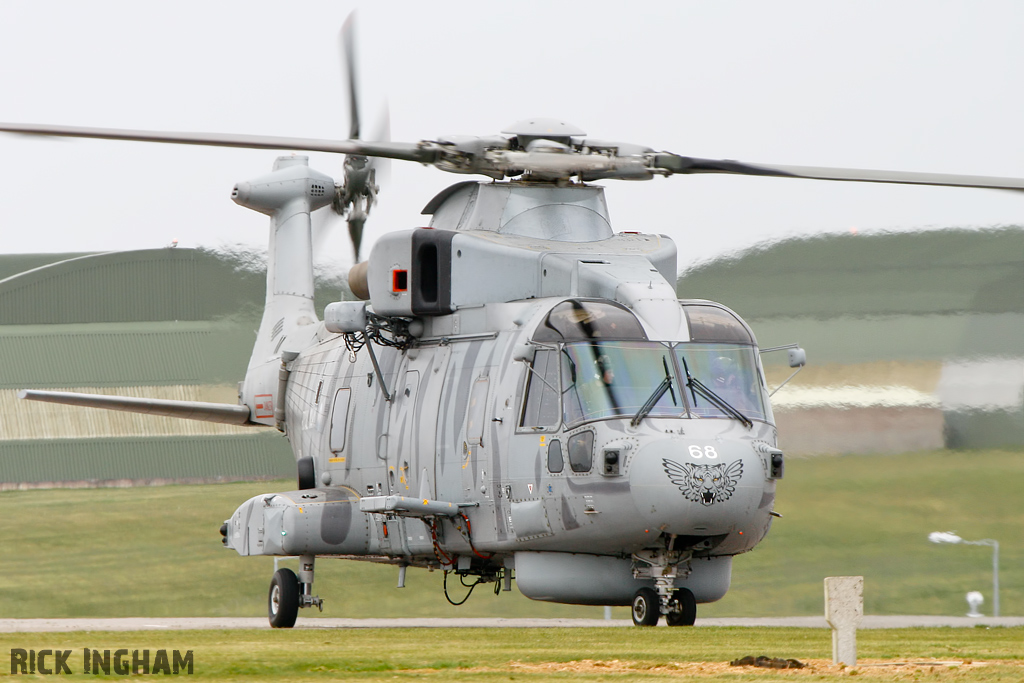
x: 678, y: 164
x: 405, y: 151
x: 494, y: 163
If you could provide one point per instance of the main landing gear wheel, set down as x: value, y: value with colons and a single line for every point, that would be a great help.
x: 646, y: 607
x: 283, y: 601
x: 682, y: 609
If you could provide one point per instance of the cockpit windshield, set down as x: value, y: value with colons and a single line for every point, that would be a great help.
x: 594, y: 380
x: 596, y: 362
x: 609, y: 378
x: 730, y: 372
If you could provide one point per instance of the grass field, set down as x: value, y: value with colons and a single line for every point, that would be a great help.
x: 157, y: 551
x: 559, y: 654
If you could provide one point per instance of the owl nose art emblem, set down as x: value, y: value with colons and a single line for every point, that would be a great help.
x: 704, y: 484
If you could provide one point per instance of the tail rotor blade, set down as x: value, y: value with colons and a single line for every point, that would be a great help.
x: 382, y: 133
x: 355, y: 232
x: 358, y: 193
x: 324, y: 222
x: 348, y: 52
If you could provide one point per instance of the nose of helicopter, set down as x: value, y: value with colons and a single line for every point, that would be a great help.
x: 685, y: 488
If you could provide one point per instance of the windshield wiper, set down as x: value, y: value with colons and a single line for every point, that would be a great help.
x: 652, y: 400
x: 572, y: 367
x: 698, y: 387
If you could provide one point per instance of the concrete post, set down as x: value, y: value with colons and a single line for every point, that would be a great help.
x: 844, y: 607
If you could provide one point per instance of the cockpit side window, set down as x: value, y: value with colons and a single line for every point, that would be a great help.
x: 541, y: 408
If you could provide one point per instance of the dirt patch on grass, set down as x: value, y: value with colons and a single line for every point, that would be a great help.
x: 873, y: 669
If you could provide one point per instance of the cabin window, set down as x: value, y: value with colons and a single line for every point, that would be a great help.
x: 555, y: 462
x: 475, y: 415
x: 339, y: 419
x: 541, y: 408
x: 581, y: 451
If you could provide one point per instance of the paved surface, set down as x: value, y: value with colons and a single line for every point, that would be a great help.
x: 214, y: 623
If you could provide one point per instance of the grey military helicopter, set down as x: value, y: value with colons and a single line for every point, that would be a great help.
x: 517, y: 393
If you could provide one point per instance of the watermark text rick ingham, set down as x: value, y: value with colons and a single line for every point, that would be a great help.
x: 121, y: 662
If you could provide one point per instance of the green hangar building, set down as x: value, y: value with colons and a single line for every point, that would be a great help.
x: 163, y: 323
x: 915, y: 341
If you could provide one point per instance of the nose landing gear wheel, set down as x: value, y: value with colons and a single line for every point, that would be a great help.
x: 646, y: 607
x: 682, y: 610
x: 283, y: 600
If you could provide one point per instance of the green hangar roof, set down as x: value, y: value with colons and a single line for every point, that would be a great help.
x: 151, y: 317
x: 937, y: 272
x: 134, y: 286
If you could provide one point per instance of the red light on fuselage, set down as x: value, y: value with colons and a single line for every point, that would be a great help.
x: 399, y: 280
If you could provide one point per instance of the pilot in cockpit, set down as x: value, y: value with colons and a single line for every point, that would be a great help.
x: 732, y: 384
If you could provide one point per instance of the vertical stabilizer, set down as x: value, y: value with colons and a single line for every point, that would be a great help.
x: 288, y: 195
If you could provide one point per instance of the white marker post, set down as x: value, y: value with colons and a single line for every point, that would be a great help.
x: 844, y: 607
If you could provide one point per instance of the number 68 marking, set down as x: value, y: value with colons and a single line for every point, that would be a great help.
x: 708, y: 452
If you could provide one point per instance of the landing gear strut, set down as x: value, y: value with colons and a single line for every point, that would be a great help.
x: 677, y: 604
x: 289, y: 592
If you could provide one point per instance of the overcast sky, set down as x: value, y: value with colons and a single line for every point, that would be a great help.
x: 917, y: 85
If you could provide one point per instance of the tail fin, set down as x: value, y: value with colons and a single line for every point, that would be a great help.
x: 288, y: 195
